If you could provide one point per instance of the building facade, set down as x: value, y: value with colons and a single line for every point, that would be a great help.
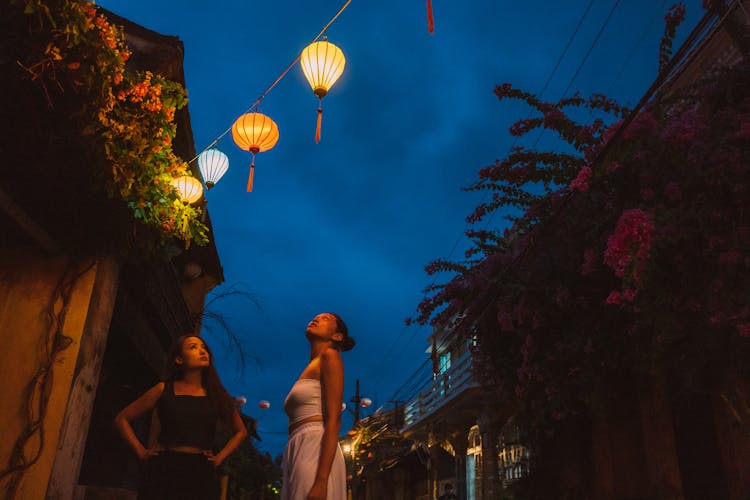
x: 85, y: 327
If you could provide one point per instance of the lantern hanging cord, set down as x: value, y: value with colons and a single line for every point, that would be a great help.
x: 282, y: 75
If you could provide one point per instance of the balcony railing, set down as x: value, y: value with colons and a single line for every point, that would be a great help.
x: 444, y: 388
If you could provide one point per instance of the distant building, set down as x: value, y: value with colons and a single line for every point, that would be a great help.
x: 452, y: 414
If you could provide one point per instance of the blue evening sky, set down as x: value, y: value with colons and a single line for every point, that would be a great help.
x: 348, y: 225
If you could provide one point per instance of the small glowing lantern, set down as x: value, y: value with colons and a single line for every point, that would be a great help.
x: 322, y: 63
x: 254, y: 132
x: 213, y: 164
x: 263, y: 404
x: 241, y: 400
x: 189, y: 188
x: 365, y: 402
x: 343, y: 406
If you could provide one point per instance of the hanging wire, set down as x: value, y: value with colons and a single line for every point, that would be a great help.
x: 580, y: 66
x: 588, y: 52
x: 633, y: 50
x: 275, y: 82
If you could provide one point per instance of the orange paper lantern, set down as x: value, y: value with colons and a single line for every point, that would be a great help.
x: 254, y: 132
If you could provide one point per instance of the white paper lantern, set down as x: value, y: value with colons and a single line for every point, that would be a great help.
x: 213, y: 164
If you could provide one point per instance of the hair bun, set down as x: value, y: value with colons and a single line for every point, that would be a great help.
x: 347, y: 343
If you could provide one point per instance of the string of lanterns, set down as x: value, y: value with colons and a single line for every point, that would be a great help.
x: 322, y: 64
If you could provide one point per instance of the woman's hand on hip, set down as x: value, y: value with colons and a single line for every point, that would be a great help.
x: 217, y: 460
x: 148, y: 453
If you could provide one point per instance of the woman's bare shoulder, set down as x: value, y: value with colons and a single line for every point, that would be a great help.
x: 330, y: 355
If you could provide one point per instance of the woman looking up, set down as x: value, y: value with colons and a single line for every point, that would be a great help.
x: 313, y: 464
x: 190, y: 404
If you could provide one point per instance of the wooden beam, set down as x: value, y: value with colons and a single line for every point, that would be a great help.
x: 75, y: 426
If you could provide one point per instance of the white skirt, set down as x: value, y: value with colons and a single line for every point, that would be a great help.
x: 300, y: 463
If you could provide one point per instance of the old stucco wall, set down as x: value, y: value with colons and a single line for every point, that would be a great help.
x: 27, y: 284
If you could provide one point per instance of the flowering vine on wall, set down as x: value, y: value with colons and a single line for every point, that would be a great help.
x: 628, y: 253
x: 128, y: 115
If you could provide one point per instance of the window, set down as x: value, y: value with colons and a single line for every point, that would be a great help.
x: 445, y: 362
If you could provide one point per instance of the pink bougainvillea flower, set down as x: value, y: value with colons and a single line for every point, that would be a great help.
x: 629, y: 246
x: 628, y: 295
x: 581, y: 182
x: 614, y: 298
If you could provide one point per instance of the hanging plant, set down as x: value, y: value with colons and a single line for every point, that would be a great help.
x: 129, y: 116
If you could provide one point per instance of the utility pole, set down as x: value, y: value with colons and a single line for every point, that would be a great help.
x: 356, y: 400
x: 397, y: 413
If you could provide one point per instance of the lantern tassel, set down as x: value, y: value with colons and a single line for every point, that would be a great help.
x: 319, y: 125
x: 250, y: 178
x: 430, y: 18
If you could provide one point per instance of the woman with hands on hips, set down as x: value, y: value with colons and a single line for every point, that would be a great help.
x: 190, y: 404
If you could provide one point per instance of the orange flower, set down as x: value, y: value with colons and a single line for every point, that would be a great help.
x: 156, y: 149
x: 117, y: 79
x: 74, y: 65
x: 90, y: 10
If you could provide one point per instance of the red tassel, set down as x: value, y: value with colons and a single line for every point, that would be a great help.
x: 250, y: 179
x: 430, y: 18
x: 320, y: 123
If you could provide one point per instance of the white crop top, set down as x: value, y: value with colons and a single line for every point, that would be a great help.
x: 304, y: 400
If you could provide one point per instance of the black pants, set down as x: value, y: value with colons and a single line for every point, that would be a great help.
x: 179, y: 476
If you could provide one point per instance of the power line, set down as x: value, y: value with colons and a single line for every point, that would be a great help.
x: 588, y: 52
x: 630, y: 55
x: 582, y: 63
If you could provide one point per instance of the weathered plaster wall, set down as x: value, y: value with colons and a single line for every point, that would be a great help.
x: 27, y: 284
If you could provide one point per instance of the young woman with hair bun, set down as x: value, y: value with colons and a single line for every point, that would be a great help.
x: 313, y: 464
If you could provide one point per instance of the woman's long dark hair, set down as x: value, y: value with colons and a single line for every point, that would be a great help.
x: 211, y: 381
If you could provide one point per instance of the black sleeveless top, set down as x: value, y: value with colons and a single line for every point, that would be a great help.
x: 186, y: 420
